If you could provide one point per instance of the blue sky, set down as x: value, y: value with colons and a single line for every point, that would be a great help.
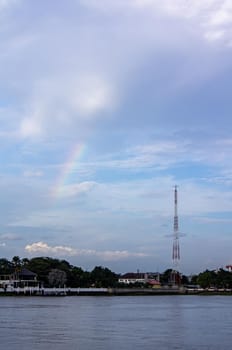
x: 104, y: 107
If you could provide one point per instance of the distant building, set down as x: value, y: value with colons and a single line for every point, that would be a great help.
x: 132, y: 277
x: 19, y: 278
x: 151, y: 278
x: 229, y: 268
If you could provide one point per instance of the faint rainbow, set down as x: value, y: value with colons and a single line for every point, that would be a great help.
x: 68, y: 168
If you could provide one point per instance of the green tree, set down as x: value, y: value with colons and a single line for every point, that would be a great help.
x: 223, y: 279
x: 207, y: 279
x: 184, y: 280
x: 6, y: 267
x: 76, y: 277
x: 25, y: 262
x: 41, y: 266
x: 103, y: 277
x: 16, y: 261
x: 194, y: 279
x: 165, y: 277
x: 57, y: 278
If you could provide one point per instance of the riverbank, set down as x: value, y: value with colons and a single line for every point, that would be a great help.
x: 30, y: 291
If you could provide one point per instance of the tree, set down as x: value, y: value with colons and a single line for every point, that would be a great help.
x: 76, y: 277
x: 165, y: 277
x: 193, y: 279
x: 57, y: 278
x: 103, y: 277
x: 43, y: 265
x: 184, y: 279
x: 223, y: 279
x: 207, y: 279
x: 16, y: 261
x: 6, y: 267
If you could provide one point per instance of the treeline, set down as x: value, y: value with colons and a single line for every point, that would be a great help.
x: 208, y: 279
x: 215, y: 279
x: 56, y: 272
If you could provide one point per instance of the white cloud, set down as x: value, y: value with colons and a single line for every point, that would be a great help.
x: 10, y: 237
x: 211, y: 16
x: 212, y: 220
x: 64, y: 102
x: 74, y: 189
x: 158, y: 155
x: 44, y: 248
x: 214, y: 35
x: 109, y: 255
x: 30, y: 127
x: 91, y: 95
x: 180, y: 8
x: 8, y: 3
x: 222, y: 15
x: 62, y: 92
x: 33, y: 173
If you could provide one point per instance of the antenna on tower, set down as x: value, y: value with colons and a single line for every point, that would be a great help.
x: 175, y: 278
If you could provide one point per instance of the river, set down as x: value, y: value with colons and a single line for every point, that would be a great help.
x: 134, y: 322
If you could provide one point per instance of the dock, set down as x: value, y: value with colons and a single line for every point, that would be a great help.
x: 36, y: 291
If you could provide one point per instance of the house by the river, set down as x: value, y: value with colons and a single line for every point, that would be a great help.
x: 21, y: 277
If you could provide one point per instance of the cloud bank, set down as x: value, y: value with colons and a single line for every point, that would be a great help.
x: 44, y: 248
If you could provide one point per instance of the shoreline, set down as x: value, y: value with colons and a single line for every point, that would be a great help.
x: 52, y: 292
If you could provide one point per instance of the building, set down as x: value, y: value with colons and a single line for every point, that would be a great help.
x: 151, y: 278
x: 19, y: 278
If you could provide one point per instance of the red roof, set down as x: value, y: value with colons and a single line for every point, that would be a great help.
x: 153, y: 282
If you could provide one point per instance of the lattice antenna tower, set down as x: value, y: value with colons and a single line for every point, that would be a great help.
x: 176, y: 245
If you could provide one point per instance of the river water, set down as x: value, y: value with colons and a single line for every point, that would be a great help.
x: 134, y: 322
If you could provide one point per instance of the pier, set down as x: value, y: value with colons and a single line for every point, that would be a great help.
x: 36, y: 291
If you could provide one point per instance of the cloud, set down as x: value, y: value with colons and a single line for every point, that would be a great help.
x: 222, y: 15
x: 30, y: 127
x: 165, y: 154
x: 210, y: 220
x: 74, y: 88
x: 4, y: 4
x: 65, y: 102
x: 10, y: 237
x: 75, y: 189
x: 158, y: 155
x: 212, y: 17
x: 214, y: 35
x: 44, y: 248
x: 91, y: 95
x: 33, y: 173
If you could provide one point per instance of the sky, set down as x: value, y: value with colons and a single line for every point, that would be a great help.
x: 105, y: 106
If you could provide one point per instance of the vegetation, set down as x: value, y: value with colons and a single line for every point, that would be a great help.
x: 214, y: 279
x: 55, y: 272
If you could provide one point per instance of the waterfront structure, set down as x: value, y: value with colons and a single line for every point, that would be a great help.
x: 21, y: 277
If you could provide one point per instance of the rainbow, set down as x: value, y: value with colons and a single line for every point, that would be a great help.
x: 68, y: 168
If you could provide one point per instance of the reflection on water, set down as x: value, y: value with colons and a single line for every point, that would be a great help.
x: 143, y: 322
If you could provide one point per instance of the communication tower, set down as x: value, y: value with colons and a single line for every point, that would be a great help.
x: 176, y: 246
